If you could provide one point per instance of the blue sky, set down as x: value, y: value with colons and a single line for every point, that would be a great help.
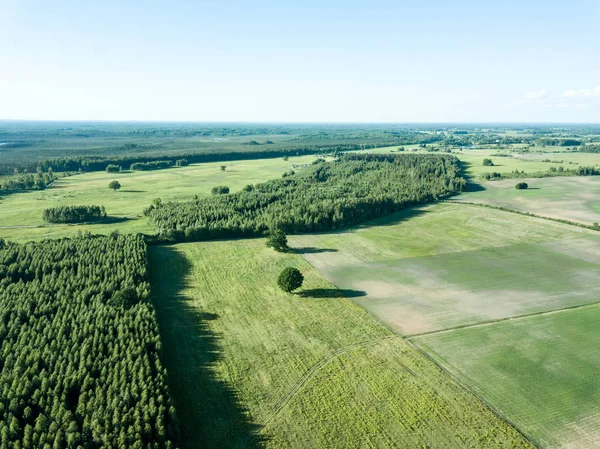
x: 309, y: 61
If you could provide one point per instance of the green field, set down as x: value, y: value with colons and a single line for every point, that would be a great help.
x: 541, y: 372
x: 250, y: 365
x: 462, y: 284
x: 22, y: 212
x: 530, y: 163
x: 569, y: 198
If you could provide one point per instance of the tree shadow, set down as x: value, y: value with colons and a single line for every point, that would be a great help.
x: 471, y: 185
x: 132, y: 191
x: 322, y: 293
x: 209, y: 410
x: 313, y: 250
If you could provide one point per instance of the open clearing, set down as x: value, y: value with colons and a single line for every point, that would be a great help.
x: 570, y: 198
x: 250, y: 365
x: 21, y: 213
x: 541, y: 372
x: 460, y: 285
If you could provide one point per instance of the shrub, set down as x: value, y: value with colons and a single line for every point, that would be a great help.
x: 488, y: 162
x: 220, y: 190
x: 521, y: 186
x: 290, y: 279
x: 115, y: 185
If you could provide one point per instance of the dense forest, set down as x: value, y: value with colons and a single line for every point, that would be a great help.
x: 326, y: 196
x: 73, y: 214
x: 79, y: 347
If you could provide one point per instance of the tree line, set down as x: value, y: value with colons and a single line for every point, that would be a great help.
x: 79, y: 347
x: 325, y: 196
x: 26, y: 181
x: 100, y: 163
x: 73, y: 214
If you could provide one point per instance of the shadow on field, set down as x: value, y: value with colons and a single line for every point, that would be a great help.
x: 331, y: 293
x: 209, y: 410
x: 133, y: 191
x: 395, y: 218
x: 313, y: 250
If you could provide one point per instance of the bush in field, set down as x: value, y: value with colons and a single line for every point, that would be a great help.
x: 220, y: 190
x: 111, y: 168
x: 521, y: 186
x: 488, y: 162
x: 290, y: 279
x: 223, y: 167
x: 277, y: 240
x: 115, y: 185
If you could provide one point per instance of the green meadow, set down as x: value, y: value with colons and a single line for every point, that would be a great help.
x: 21, y: 213
x: 541, y: 372
x: 574, y: 198
x: 250, y: 365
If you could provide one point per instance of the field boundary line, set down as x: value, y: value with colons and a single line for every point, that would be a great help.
x: 527, y: 214
x: 474, y: 393
x: 312, y: 372
x: 501, y: 320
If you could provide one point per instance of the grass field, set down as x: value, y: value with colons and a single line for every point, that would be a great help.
x: 482, y: 269
x: 527, y: 162
x: 22, y: 212
x: 250, y: 365
x: 541, y: 372
x: 570, y: 198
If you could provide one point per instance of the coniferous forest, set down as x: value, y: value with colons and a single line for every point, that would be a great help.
x: 79, y: 347
x: 326, y: 196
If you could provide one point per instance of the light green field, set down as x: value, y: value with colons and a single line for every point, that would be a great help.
x: 250, y: 364
x: 530, y: 163
x: 569, y: 198
x: 21, y: 213
x: 541, y: 372
x: 428, y: 230
x: 480, y: 270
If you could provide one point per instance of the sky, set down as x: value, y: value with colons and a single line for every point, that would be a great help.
x: 301, y: 61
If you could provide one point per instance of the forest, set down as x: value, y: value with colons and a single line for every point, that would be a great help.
x: 326, y: 196
x: 79, y: 347
x: 73, y: 214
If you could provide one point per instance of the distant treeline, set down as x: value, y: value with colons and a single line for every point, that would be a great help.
x: 325, y: 196
x: 92, y: 163
x: 553, y: 172
x: 589, y: 149
x: 26, y: 181
x: 547, y: 142
x: 74, y: 214
x: 153, y: 165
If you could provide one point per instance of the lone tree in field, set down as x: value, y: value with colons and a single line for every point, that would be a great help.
x: 290, y: 279
x: 488, y: 162
x: 277, y: 240
x: 115, y: 185
x: 223, y: 167
x: 521, y: 186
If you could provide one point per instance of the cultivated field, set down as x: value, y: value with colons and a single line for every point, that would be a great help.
x: 465, y: 286
x: 570, y: 198
x: 541, y: 372
x: 248, y: 363
x: 22, y: 212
